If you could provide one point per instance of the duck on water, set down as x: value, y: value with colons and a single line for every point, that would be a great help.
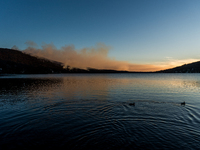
x: 183, y: 103
x: 132, y: 104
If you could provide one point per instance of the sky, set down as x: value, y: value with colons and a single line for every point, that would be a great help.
x: 141, y: 34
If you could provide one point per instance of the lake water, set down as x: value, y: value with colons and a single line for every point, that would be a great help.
x: 92, y: 111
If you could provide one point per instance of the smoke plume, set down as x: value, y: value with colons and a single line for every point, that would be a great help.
x: 95, y: 57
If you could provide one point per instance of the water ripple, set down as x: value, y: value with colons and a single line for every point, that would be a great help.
x: 94, y: 113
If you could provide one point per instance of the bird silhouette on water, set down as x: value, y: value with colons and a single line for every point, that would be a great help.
x: 132, y: 104
x: 183, y: 103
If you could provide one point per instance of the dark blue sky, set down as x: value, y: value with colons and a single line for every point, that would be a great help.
x: 142, y: 31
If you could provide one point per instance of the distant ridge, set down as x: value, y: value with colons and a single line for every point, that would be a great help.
x: 17, y: 62
x: 186, y: 68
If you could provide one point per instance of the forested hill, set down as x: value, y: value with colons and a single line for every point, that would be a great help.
x: 186, y: 68
x: 17, y: 62
x: 14, y: 61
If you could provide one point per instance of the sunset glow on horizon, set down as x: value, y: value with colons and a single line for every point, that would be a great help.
x: 135, y: 35
x: 96, y: 57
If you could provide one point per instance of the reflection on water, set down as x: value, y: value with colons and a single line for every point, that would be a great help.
x: 92, y: 111
x: 19, y: 89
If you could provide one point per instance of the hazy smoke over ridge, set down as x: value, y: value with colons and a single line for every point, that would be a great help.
x: 87, y: 57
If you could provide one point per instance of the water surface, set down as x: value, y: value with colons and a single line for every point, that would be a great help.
x: 92, y: 111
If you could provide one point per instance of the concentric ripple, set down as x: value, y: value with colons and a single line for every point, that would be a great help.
x: 93, y: 112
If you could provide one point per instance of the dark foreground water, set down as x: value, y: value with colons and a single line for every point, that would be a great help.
x: 92, y: 111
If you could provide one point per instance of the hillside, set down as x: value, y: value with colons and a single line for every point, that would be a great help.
x: 17, y: 62
x: 186, y: 68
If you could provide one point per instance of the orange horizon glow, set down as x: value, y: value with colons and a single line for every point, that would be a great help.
x: 98, y: 58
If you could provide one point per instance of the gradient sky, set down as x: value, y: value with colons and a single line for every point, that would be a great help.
x: 159, y: 32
